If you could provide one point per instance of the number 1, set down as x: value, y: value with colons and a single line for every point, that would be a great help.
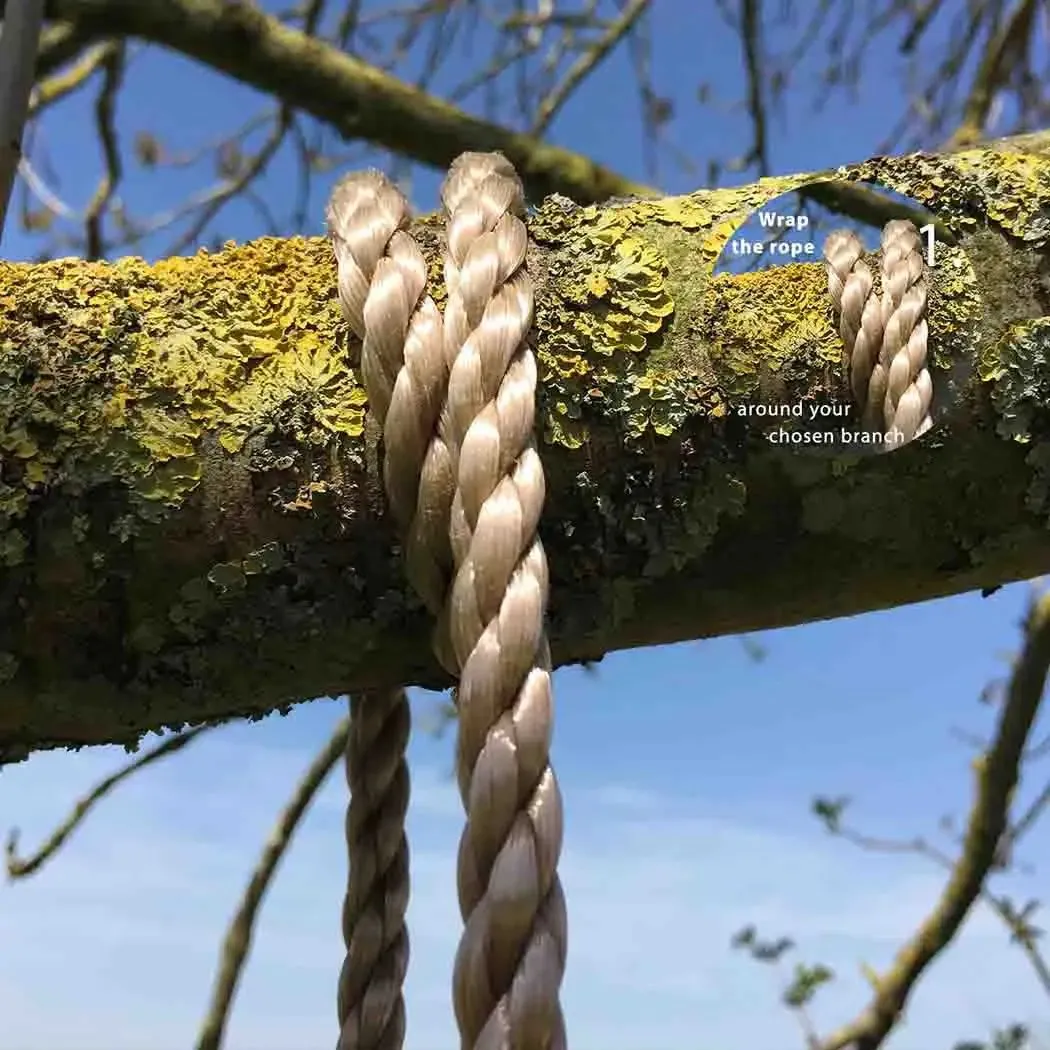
x: 927, y: 230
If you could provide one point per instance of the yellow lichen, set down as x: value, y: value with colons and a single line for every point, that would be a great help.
x: 133, y: 363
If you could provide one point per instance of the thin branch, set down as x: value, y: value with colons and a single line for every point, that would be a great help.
x: 237, y: 942
x: 1031, y: 815
x: 1019, y: 930
x: 62, y: 85
x: 239, y: 183
x: 548, y: 109
x: 62, y: 43
x: 751, y: 38
x: 105, y: 107
x: 997, y: 773
x: 19, y: 39
x: 20, y: 869
x: 999, y: 61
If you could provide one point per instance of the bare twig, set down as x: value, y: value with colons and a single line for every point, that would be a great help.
x: 751, y: 38
x: 105, y: 107
x: 1019, y: 930
x: 356, y: 99
x: 62, y: 85
x: 238, y: 183
x: 1004, y: 54
x: 997, y: 773
x: 238, y: 937
x: 20, y: 869
x: 586, y: 64
x: 61, y: 43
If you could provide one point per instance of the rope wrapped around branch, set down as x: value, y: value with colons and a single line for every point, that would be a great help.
x: 456, y: 400
x: 381, y: 280
x: 512, y: 956
x: 885, y: 337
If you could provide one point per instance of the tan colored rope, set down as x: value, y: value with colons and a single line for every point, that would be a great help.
x: 371, y: 1006
x: 382, y: 278
x: 511, y: 958
x: 851, y: 286
x: 909, y: 389
x: 512, y: 955
x: 381, y: 282
x: 885, y: 338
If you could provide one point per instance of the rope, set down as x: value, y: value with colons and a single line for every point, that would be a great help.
x: 909, y: 387
x: 371, y: 1006
x: 851, y: 284
x: 885, y: 338
x: 456, y: 403
x: 512, y: 955
x: 381, y: 278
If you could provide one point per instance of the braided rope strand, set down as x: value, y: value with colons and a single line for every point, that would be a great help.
x: 851, y: 286
x: 885, y: 337
x: 371, y: 1005
x: 381, y: 282
x: 909, y: 388
x: 511, y: 958
x: 381, y: 279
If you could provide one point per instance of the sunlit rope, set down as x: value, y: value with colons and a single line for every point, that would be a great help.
x: 884, y: 337
x: 456, y: 401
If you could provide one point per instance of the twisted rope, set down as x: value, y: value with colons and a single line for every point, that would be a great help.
x: 456, y: 402
x: 511, y: 957
x: 885, y: 338
x: 909, y: 389
x: 851, y: 284
x: 371, y: 1005
x: 381, y: 281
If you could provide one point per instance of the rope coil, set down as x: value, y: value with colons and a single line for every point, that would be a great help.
x: 885, y: 337
x: 456, y: 400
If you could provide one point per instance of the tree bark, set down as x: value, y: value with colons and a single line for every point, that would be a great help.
x: 191, y: 525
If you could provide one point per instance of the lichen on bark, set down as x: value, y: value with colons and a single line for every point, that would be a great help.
x: 188, y: 529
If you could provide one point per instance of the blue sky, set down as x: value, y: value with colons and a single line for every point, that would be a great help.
x: 687, y: 770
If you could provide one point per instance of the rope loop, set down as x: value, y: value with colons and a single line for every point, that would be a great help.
x: 381, y: 282
x: 455, y: 397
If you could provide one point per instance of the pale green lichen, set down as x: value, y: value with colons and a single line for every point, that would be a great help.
x: 1015, y: 191
x: 610, y: 296
x: 1018, y: 367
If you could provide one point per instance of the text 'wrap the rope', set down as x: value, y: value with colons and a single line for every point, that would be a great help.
x: 456, y: 400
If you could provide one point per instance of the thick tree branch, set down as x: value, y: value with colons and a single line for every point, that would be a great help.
x: 189, y: 530
x: 361, y: 102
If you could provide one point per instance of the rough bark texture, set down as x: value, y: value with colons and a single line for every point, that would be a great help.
x: 191, y: 527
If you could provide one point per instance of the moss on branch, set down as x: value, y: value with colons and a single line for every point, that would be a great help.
x: 188, y: 530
